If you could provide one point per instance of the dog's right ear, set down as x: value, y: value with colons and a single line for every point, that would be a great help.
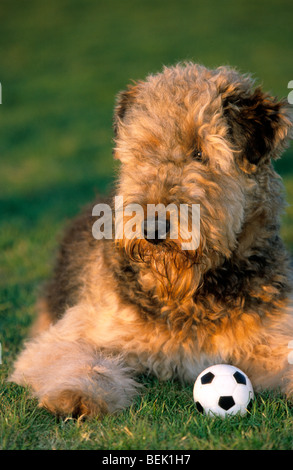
x: 125, y: 99
x: 259, y: 124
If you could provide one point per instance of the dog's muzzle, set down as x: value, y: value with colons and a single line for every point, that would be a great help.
x: 155, y: 230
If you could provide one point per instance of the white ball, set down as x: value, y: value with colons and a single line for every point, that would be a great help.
x: 222, y: 390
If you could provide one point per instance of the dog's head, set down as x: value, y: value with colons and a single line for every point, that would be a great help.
x: 193, y: 136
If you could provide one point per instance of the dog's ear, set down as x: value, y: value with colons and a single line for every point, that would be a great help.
x: 259, y: 125
x: 125, y: 99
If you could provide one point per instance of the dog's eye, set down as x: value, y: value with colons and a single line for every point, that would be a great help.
x: 197, y: 155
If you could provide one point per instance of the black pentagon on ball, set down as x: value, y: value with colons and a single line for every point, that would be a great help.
x: 207, y: 378
x: 199, y: 407
x: 226, y: 402
x: 240, y: 378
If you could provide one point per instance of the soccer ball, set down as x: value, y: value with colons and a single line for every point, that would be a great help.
x: 222, y: 390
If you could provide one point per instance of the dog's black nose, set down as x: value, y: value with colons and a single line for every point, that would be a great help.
x: 155, y: 230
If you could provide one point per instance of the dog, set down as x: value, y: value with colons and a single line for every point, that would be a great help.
x: 117, y: 308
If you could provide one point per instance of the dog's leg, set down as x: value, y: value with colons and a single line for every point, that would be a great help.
x: 267, y: 357
x: 70, y: 374
x: 262, y: 349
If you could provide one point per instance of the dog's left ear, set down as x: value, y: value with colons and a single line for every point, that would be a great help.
x: 125, y: 99
x: 259, y: 124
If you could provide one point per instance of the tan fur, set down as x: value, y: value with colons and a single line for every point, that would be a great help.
x: 117, y: 308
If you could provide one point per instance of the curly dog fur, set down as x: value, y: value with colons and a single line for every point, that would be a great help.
x: 118, y: 308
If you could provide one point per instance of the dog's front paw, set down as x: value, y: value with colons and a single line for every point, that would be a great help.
x: 74, y: 403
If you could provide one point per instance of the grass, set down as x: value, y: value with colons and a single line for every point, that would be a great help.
x: 163, y: 418
x: 62, y: 62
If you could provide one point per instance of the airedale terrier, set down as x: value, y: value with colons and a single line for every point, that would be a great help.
x: 120, y: 307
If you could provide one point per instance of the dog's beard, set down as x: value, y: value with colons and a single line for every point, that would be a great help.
x: 166, y: 270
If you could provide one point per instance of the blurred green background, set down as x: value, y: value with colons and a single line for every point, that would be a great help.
x: 61, y: 64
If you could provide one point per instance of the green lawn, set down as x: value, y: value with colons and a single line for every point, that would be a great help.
x: 61, y: 64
